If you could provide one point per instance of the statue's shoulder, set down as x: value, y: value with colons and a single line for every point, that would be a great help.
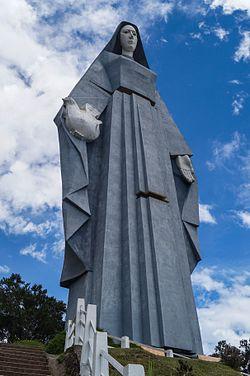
x: 97, y: 74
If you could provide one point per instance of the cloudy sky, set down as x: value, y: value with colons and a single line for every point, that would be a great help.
x: 200, y: 50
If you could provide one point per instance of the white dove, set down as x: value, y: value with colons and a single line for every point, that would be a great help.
x: 81, y: 122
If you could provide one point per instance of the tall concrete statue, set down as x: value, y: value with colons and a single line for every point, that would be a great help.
x: 130, y: 204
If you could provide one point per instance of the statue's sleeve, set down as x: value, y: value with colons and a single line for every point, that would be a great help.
x: 176, y: 142
x: 188, y: 201
x: 187, y: 194
x: 75, y: 177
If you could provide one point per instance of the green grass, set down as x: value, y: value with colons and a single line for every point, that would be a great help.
x: 160, y: 366
x: 30, y: 343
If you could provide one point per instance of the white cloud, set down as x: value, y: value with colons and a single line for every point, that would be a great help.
x: 245, y: 162
x: 4, y: 269
x: 220, y: 32
x: 244, y: 194
x: 210, y: 165
x: 235, y: 82
x: 234, y: 157
x: 28, y: 147
x: 196, y: 36
x: 58, y: 247
x: 243, y: 50
x: 163, y: 40
x: 205, y: 280
x: 223, y: 152
x: 38, y: 185
x: 227, y: 150
x: 156, y: 8
x: 244, y: 187
x: 205, y: 214
x: 31, y: 250
x: 207, y: 30
x: 224, y: 305
x: 244, y: 217
x: 20, y: 223
x: 229, y: 6
x: 238, y: 102
x: 192, y: 7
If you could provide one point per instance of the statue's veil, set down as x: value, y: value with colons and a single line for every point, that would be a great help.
x: 114, y: 45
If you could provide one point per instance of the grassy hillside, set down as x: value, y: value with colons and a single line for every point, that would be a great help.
x: 166, y: 366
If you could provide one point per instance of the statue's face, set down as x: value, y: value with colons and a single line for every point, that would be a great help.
x: 128, y: 38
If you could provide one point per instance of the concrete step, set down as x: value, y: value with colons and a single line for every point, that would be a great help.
x: 5, y: 346
x: 12, y: 368
x: 21, y: 355
x: 12, y: 373
x: 18, y: 360
x: 22, y: 360
x: 20, y: 364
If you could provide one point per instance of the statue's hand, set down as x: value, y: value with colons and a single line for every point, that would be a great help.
x: 186, y: 169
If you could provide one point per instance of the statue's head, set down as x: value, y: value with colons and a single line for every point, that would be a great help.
x: 128, y: 39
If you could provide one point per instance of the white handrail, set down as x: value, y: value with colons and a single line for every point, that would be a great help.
x: 180, y: 356
x: 70, y: 334
x: 80, y: 322
x: 100, y: 364
x: 95, y: 358
x: 113, y: 362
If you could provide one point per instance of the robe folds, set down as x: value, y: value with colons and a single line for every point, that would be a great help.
x: 130, y: 220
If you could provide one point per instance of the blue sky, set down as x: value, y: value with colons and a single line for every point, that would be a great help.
x: 201, y: 51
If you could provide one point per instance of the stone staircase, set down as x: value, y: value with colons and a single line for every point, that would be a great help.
x: 18, y: 360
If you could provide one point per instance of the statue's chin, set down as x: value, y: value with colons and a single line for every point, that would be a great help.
x: 129, y: 48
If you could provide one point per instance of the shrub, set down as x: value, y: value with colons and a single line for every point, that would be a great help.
x: 56, y: 344
x: 184, y: 368
x: 71, y: 362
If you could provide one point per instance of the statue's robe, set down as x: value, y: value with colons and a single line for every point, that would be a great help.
x: 130, y: 220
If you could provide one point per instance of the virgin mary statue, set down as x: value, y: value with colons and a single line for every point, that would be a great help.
x: 130, y: 204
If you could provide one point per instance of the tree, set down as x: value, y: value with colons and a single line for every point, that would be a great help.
x: 245, y: 345
x: 230, y: 355
x: 27, y: 312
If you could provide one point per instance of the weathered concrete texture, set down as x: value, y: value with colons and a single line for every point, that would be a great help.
x: 130, y: 219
